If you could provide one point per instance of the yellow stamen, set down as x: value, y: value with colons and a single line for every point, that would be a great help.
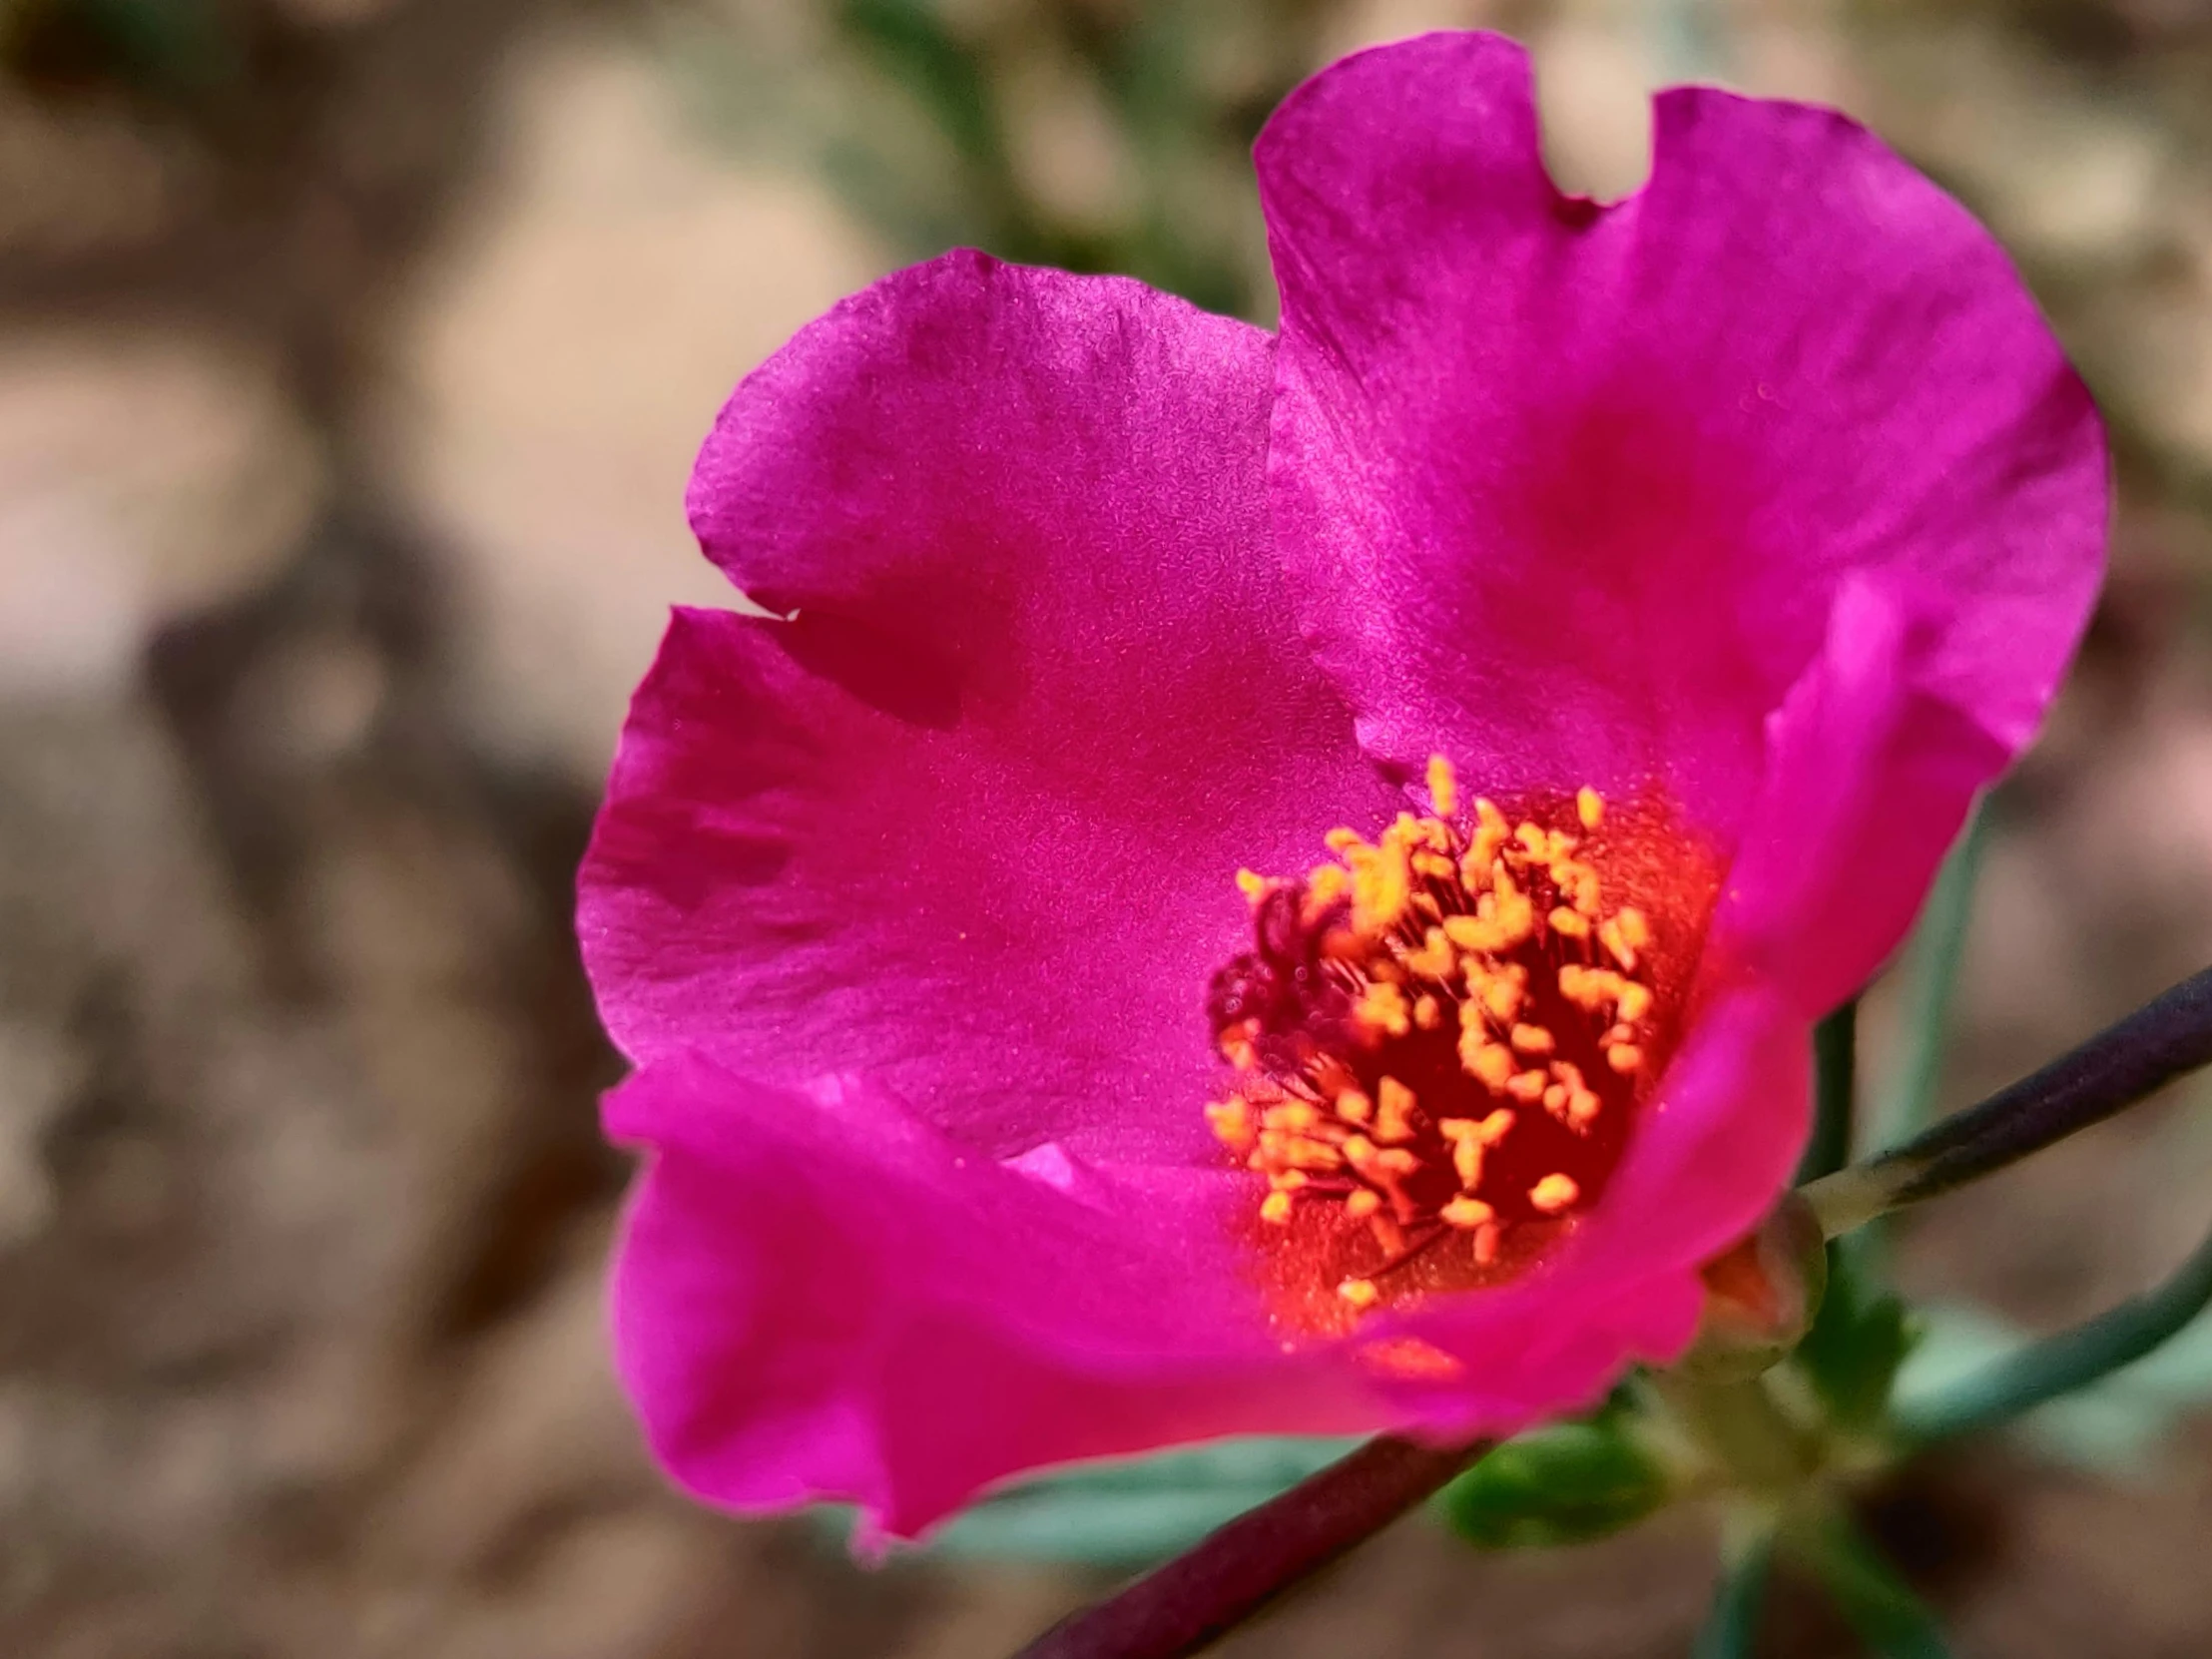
x: 1554, y: 1193
x: 1458, y: 928
x: 1470, y: 932
x: 1296, y: 1116
x: 1231, y: 1122
x: 1480, y: 1057
x: 1444, y: 787
x: 1381, y: 884
x: 1435, y: 958
x: 1324, y: 889
x: 1534, y: 1039
x: 1502, y: 999
x: 1394, y: 1120
x: 1467, y: 1213
x: 1383, y: 1007
x: 1486, y: 1243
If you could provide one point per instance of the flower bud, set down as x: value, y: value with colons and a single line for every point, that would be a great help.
x: 1761, y: 1297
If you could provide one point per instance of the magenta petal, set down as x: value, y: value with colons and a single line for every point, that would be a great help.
x: 822, y: 1298
x: 969, y: 824
x: 1869, y: 778
x: 1574, y: 489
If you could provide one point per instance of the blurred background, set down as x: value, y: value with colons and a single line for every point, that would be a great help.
x: 352, y: 357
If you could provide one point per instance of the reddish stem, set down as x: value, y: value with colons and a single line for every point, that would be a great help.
x: 1179, y: 1607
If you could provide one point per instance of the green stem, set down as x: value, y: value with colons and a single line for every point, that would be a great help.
x: 2058, y: 1366
x: 1834, y: 1091
x: 1890, y: 1618
x: 1731, y: 1627
x: 1741, y: 1427
x: 1931, y: 977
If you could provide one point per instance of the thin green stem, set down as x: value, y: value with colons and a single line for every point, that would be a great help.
x: 1731, y: 1629
x: 2058, y: 1366
x: 1930, y: 976
x: 1890, y: 1618
x: 1835, y: 1093
x: 2160, y: 1041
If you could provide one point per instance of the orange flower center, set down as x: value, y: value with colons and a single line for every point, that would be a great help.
x: 1441, y: 1040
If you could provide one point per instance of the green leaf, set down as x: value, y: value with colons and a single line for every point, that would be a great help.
x: 2112, y: 1427
x: 2009, y: 1385
x: 1563, y: 1484
x: 1852, y: 1353
x: 911, y: 42
x: 1130, y: 1512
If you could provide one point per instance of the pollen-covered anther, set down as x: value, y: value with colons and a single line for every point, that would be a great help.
x: 1444, y: 1031
x: 1383, y: 1007
x: 1533, y: 1039
x: 1394, y: 1115
x: 1444, y: 787
x: 1467, y: 1213
x: 1231, y: 1122
x: 1554, y: 1193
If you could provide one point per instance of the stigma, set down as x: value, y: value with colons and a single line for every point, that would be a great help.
x: 1439, y: 1040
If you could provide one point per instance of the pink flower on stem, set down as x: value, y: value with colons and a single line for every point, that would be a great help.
x: 1578, y: 634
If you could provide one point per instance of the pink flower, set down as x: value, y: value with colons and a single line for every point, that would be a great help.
x: 1727, y: 538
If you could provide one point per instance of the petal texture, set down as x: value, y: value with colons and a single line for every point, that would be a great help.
x: 968, y: 823
x: 1574, y: 490
x: 818, y: 1296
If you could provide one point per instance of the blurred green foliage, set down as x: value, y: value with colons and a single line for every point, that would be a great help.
x: 1089, y: 137
x: 1565, y: 1483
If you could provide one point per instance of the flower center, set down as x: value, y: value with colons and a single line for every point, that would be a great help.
x: 1442, y: 1038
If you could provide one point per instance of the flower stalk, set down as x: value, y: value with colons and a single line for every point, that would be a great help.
x: 2165, y: 1039
x: 1890, y: 1618
x: 1178, y: 1608
x: 1731, y: 1627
